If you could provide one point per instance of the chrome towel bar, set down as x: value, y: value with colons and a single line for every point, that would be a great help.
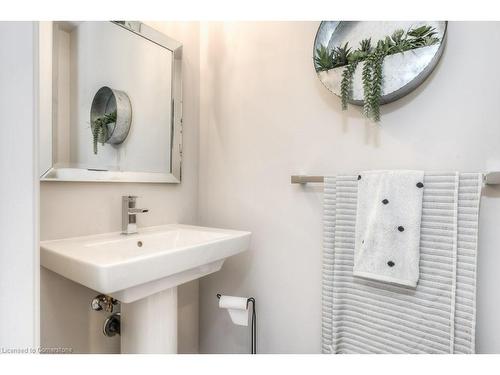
x: 489, y: 178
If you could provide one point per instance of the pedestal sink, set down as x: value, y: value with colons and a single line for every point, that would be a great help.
x: 142, y: 271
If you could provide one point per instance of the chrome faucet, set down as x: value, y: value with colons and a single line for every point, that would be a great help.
x: 129, y: 212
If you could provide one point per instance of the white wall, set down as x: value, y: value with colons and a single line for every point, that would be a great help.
x: 74, y: 209
x: 264, y: 116
x: 19, y: 261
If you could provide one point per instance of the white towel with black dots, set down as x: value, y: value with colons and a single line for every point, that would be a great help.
x: 388, y: 215
x: 360, y: 315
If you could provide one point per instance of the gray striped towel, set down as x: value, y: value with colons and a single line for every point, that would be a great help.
x: 439, y: 315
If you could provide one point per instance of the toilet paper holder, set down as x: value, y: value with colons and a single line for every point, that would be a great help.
x: 253, y: 335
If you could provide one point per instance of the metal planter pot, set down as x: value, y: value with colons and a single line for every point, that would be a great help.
x: 402, y: 72
x: 108, y: 100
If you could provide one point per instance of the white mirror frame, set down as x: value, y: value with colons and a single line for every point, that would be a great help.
x: 50, y: 172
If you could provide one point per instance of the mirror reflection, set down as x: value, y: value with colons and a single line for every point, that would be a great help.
x: 115, y: 90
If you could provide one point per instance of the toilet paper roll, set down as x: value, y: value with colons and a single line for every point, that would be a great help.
x: 237, y: 308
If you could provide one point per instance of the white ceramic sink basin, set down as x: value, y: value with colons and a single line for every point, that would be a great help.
x: 132, y: 267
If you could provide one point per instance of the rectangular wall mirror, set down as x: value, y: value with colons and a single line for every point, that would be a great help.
x: 116, y: 108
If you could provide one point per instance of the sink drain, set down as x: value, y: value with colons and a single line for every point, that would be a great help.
x: 139, y: 243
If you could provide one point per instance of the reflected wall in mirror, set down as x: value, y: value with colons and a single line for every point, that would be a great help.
x: 116, y: 108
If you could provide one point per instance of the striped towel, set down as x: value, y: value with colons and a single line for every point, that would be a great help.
x: 438, y: 316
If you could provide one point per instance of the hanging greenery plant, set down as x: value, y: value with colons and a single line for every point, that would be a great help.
x: 353, y: 59
x: 100, y: 128
x: 373, y: 59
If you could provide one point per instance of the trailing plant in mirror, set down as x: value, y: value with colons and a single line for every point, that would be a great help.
x: 372, y: 57
x: 100, y: 129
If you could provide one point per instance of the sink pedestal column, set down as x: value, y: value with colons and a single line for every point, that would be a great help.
x: 149, y: 325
